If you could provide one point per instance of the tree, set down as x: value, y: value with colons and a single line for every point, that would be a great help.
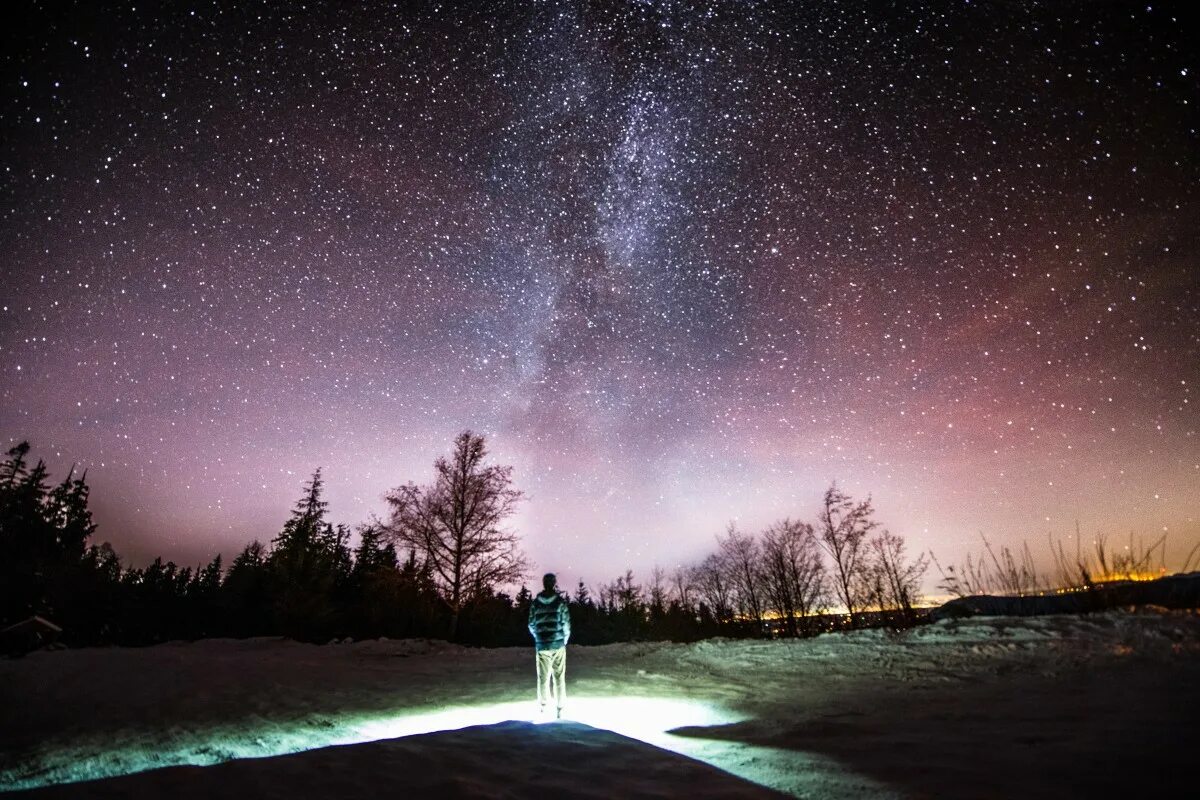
x: 371, y: 553
x: 900, y: 579
x: 657, y: 597
x: 208, y: 578
x: 247, y: 592
x: 44, y: 536
x: 681, y: 586
x: 455, y: 525
x: 622, y: 604
x: 843, y: 526
x: 69, y: 517
x: 582, y: 597
x: 741, y: 558
x: 793, y: 575
x: 585, y: 617
x: 24, y: 537
x: 307, y: 560
x: 710, y: 581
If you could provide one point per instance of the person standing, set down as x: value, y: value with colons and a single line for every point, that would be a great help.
x: 550, y: 625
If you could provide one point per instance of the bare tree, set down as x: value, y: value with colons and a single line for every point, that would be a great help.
x: 682, y: 589
x: 658, y: 592
x: 875, y: 587
x: 455, y: 524
x: 711, y: 583
x: 793, y: 575
x: 900, y: 577
x: 843, y: 526
x: 741, y: 556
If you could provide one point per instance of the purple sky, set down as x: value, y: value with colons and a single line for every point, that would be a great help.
x: 681, y: 266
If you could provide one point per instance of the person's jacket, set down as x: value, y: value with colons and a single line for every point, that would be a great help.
x: 549, y: 621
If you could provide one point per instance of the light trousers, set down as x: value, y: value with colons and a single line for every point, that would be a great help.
x: 552, y: 676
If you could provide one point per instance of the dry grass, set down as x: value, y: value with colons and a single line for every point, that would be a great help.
x: 1003, y: 571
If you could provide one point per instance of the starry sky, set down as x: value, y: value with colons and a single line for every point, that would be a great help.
x: 683, y: 263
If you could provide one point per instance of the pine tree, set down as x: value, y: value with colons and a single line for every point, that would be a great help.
x: 246, y: 590
x: 307, y: 559
x: 208, y: 578
x: 13, y: 470
x: 44, y: 536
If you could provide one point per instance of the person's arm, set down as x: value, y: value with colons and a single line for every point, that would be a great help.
x: 532, y: 627
x: 566, y: 621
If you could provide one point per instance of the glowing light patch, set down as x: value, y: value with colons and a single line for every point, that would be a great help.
x: 647, y: 719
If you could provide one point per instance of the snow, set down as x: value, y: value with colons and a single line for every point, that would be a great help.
x: 982, y: 707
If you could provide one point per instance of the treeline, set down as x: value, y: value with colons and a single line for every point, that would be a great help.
x: 793, y: 579
x: 434, y: 568
x: 308, y: 583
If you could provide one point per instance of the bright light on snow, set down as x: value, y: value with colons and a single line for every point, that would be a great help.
x: 647, y: 719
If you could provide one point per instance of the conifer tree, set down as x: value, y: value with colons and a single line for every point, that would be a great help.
x: 305, y: 561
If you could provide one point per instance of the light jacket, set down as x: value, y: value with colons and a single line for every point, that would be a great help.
x: 549, y: 621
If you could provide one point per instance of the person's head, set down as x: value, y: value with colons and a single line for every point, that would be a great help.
x: 548, y: 581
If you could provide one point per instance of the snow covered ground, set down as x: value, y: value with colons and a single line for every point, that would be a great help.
x: 1100, y: 706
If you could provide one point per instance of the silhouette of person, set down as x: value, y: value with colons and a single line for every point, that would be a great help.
x: 550, y: 625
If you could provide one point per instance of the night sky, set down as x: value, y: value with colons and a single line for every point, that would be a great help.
x: 682, y: 263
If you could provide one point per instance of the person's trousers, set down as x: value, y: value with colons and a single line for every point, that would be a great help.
x: 552, y: 676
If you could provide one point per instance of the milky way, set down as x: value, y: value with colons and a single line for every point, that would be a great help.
x: 682, y: 263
